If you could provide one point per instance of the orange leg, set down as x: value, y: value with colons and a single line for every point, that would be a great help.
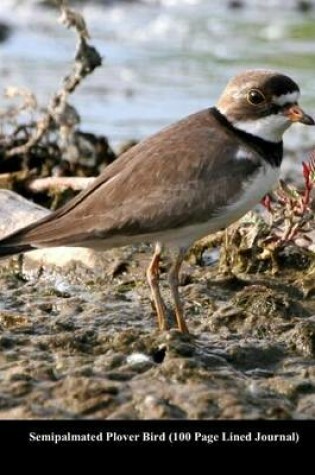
x: 173, y: 281
x: 153, y: 280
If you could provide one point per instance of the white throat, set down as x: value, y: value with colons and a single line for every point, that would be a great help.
x: 269, y: 128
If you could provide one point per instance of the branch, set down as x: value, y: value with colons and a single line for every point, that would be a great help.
x: 86, y: 60
x: 59, y: 183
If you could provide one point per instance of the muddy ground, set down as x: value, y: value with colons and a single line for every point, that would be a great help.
x: 80, y: 346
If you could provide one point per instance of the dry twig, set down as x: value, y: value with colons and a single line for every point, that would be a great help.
x: 86, y: 60
x: 59, y: 184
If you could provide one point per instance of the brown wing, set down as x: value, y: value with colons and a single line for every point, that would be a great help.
x: 179, y: 176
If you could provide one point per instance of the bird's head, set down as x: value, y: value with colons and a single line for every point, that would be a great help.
x: 263, y: 103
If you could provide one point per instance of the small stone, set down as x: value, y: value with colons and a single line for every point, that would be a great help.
x: 136, y: 358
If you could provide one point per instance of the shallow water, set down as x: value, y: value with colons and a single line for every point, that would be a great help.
x: 162, y: 60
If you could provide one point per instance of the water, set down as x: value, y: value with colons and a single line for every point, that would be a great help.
x: 162, y: 60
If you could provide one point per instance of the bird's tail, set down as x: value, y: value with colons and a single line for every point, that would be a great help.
x: 7, y: 251
x: 15, y: 243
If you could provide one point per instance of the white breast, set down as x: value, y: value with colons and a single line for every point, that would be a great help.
x: 253, y: 191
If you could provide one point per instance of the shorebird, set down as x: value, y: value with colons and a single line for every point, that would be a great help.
x: 191, y: 179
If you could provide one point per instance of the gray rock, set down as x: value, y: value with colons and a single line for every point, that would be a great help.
x: 17, y: 212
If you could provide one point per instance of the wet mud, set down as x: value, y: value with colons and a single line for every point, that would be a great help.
x: 76, y: 345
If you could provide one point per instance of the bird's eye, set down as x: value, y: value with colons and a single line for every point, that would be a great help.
x: 255, y: 97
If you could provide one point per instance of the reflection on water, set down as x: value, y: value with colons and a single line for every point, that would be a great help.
x: 162, y: 60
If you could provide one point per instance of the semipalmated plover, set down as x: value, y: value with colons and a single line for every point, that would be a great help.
x: 189, y: 180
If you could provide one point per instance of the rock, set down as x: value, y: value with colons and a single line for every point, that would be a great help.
x: 17, y: 212
x: 59, y: 257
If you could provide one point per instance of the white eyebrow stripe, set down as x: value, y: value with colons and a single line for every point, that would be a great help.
x: 288, y: 98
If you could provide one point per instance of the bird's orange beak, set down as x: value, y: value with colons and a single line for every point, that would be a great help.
x: 296, y: 114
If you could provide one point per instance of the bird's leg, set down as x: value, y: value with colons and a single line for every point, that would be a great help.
x: 173, y: 281
x: 153, y: 280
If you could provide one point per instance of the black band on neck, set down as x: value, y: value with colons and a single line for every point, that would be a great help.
x: 272, y: 152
